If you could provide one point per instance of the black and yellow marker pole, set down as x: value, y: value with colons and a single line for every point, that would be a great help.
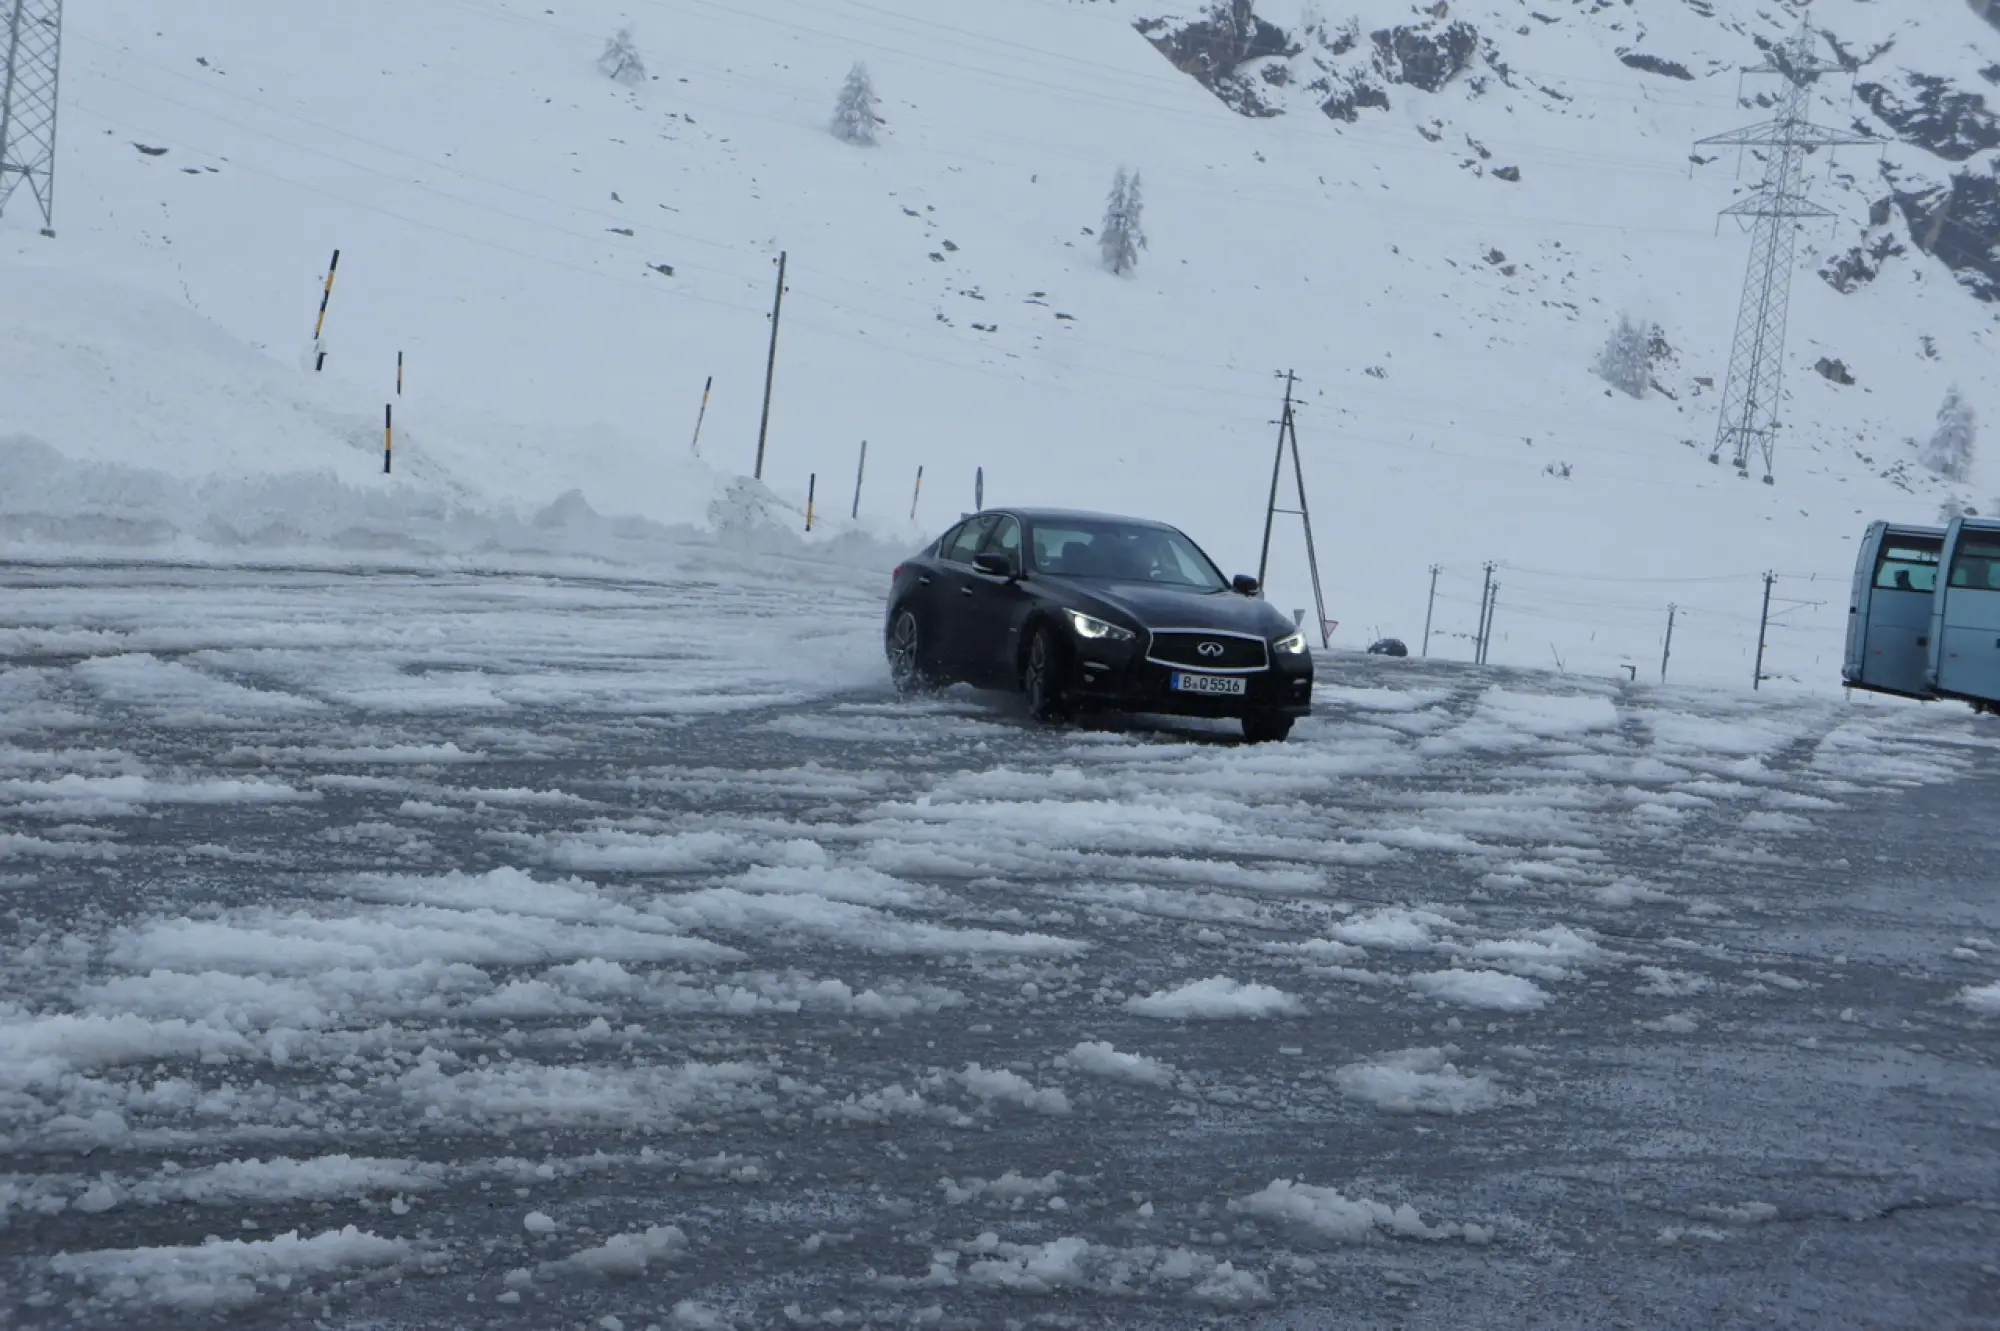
x: 319, y: 325
x: 917, y: 493
x: 388, y: 435
x: 859, y: 471
x: 812, y: 488
x: 399, y: 374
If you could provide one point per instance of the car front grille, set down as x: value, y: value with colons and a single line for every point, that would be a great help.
x: 1193, y: 649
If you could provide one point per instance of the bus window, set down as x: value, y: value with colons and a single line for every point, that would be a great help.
x: 1977, y: 566
x: 1906, y: 567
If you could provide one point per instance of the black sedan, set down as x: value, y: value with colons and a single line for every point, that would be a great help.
x: 1086, y: 611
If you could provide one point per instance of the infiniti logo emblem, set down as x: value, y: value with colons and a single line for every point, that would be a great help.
x: 1211, y: 649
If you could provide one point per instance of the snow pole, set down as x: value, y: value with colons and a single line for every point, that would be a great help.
x: 978, y: 489
x: 700, y: 416
x: 399, y: 374
x: 917, y: 493
x: 319, y: 325
x: 812, y: 486
x: 859, y: 471
x: 388, y: 435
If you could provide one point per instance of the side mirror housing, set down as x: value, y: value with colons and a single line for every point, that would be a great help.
x: 1244, y: 585
x: 996, y: 564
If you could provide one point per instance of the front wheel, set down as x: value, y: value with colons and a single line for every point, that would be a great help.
x: 906, y: 654
x: 1041, y: 677
x: 1266, y: 729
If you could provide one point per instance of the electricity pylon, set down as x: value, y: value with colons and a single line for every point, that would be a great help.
x: 30, y: 51
x: 1750, y: 396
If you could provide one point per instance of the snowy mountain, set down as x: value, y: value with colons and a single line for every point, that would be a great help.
x: 1437, y: 216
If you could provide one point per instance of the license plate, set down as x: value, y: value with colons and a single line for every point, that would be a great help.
x: 1220, y: 685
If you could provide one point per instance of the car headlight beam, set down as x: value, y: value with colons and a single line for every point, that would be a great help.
x: 1292, y: 646
x: 1092, y: 629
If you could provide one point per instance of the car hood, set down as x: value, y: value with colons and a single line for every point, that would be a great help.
x: 1159, y: 607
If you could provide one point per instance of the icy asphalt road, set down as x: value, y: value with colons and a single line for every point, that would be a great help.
x: 492, y: 952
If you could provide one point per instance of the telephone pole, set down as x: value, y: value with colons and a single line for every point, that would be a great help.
x: 1288, y: 434
x: 1751, y: 394
x: 1430, y: 606
x: 30, y: 54
x: 770, y: 367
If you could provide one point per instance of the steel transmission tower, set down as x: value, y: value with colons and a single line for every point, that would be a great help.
x: 30, y: 50
x: 1750, y: 396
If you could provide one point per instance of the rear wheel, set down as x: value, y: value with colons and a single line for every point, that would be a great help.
x: 1266, y: 728
x: 906, y: 654
x: 1041, y: 677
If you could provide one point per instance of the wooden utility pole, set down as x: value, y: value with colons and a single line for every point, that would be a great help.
x: 1485, y: 613
x: 770, y: 366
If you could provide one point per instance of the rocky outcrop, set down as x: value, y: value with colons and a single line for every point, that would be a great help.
x: 1426, y: 57
x: 1930, y: 114
x: 1245, y: 60
x: 1955, y: 224
x: 1652, y: 64
x: 1218, y: 50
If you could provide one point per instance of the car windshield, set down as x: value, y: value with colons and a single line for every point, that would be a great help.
x: 1123, y: 552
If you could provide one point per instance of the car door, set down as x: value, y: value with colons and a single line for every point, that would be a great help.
x: 952, y: 595
x: 993, y: 606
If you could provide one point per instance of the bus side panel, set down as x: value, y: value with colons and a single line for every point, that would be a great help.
x: 1854, y: 668
x: 1934, y: 655
x: 1897, y: 642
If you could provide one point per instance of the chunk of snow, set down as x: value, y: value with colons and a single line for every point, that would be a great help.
x: 1481, y: 989
x: 223, y: 1273
x: 1217, y: 997
x: 1100, y: 1059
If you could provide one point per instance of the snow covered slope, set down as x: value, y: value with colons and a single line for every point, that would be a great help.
x: 508, y: 217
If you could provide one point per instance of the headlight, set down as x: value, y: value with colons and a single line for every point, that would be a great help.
x: 1096, y: 630
x: 1292, y: 646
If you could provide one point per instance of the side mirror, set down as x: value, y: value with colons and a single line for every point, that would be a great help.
x: 1244, y: 585
x: 996, y: 564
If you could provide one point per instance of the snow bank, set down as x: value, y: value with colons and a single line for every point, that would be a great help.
x: 1981, y: 998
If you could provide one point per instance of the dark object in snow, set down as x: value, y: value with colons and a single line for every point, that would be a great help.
x: 1507, y: 172
x: 1388, y: 647
x: 663, y: 269
x: 1834, y: 370
x: 619, y: 230
x: 150, y: 151
x: 1652, y: 64
x: 1084, y: 611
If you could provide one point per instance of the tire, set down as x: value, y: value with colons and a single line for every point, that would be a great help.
x: 1264, y: 728
x: 906, y: 655
x: 1041, y: 677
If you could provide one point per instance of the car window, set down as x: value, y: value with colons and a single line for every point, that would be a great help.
x: 1122, y: 552
x: 967, y: 539
x: 1004, y: 539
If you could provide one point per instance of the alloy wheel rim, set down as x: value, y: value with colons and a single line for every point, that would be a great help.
x: 906, y: 647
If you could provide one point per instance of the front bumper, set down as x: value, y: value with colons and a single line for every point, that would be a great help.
x: 1118, y: 677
